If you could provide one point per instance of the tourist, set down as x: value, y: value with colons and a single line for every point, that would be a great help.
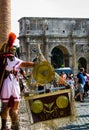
x: 80, y: 82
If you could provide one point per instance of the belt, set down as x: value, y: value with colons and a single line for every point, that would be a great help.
x: 10, y: 72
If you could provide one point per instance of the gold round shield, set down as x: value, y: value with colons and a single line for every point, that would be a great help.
x: 43, y: 72
x: 37, y: 106
x: 62, y: 101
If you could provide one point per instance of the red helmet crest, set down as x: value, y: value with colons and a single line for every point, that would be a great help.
x: 11, y: 39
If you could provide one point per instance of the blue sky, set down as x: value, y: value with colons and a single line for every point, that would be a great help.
x: 47, y: 8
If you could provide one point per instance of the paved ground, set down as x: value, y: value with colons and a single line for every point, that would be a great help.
x: 82, y: 122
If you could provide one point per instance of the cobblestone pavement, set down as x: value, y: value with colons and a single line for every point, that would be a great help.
x: 82, y: 122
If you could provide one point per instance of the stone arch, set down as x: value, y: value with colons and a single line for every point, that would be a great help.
x: 60, y: 57
x: 82, y: 62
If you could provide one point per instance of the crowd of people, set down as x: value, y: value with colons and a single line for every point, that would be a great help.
x: 80, y: 84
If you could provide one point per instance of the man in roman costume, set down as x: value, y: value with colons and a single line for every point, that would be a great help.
x: 9, y: 85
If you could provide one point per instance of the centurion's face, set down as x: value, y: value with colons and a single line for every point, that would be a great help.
x: 13, y: 50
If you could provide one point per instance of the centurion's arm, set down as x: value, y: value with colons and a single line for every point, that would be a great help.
x: 26, y: 64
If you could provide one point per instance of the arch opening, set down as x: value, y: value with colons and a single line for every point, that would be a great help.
x: 60, y: 57
x: 82, y: 63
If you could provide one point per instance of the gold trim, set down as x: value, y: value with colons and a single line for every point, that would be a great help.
x: 46, y: 94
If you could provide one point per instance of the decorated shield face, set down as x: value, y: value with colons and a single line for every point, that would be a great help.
x: 43, y: 72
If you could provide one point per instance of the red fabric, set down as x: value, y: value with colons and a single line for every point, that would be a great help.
x: 5, y: 55
x: 11, y: 102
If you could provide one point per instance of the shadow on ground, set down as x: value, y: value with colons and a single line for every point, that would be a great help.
x: 75, y: 127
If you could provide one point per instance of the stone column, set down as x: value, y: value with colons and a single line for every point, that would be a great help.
x: 28, y: 52
x: 74, y: 58
x: 46, y: 51
x: 5, y: 19
x: 45, y: 28
x: 28, y: 49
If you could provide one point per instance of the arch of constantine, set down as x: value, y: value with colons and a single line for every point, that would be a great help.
x: 64, y: 41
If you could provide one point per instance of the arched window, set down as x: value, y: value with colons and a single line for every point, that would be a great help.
x: 57, y: 58
x: 82, y: 63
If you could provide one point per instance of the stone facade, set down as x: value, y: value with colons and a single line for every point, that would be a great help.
x: 63, y: 41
